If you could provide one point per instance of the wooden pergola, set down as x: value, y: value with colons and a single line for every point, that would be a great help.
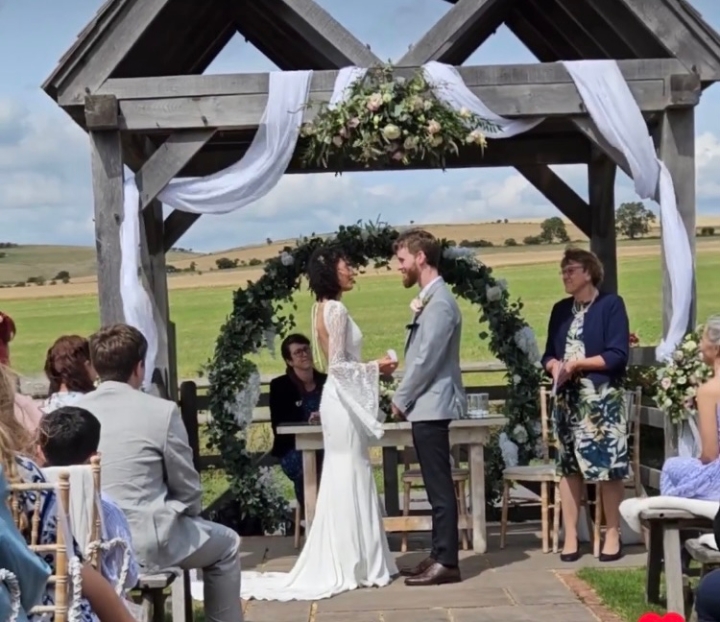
x: 133, y: 81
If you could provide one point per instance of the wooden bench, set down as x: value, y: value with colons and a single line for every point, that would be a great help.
x: 665, y: 549
x: 153, y: 594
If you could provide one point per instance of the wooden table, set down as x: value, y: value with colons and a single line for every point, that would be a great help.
x: 474, y: 433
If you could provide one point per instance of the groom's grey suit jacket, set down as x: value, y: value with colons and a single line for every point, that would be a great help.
x: 147, y: 470
x: 431, y: 388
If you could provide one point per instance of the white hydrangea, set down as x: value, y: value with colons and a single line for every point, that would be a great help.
x: 458, y: 252
x: 245, y: 401
x: 509, y: 450
x: 527, y: 342
x: 269, y: 338
x: 286, y: 259
x: 520, y: 434
x: 493, y: 293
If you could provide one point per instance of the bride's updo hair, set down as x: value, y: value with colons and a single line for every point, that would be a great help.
x: 322, y: 272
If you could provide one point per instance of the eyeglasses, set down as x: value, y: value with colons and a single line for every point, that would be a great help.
x: 570, y: 270
x: 301, y: 351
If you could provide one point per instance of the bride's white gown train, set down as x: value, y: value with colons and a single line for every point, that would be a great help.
x: 346, y: 547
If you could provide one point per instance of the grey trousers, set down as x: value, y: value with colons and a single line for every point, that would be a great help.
x: 220, y: 564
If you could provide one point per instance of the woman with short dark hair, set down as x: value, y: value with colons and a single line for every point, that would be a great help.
x: 587, y: 353
x: 295, y: 398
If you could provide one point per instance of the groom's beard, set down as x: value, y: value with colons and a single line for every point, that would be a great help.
x: 410, y: 278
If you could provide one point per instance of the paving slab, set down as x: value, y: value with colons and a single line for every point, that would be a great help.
x: 515, y: 584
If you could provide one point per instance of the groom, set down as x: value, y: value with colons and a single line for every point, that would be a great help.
x: 430, y: 395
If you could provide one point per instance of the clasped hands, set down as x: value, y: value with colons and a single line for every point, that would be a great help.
x: 561, y: 371
x: 387, y: 366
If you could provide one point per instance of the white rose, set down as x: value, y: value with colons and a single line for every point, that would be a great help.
x: 493, y: 293
x: 464, y: 113
x: 690, y: 346
x: 391, y: 132
x: 665, y: 383
x: 433, y: 127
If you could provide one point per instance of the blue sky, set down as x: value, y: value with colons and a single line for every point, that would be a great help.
x: 45, y: 189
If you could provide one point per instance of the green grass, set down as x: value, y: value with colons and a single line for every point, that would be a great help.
x: 623, y: 591
x: 378, y: 304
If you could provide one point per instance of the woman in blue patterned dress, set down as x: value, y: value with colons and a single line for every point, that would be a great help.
x: 587, y: 354
x: 99, y: 600
x: 699, y: 478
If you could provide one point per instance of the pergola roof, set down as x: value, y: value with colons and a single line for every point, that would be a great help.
x: 136, y: 39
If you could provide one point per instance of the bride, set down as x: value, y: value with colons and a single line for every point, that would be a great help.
x: 346, y: 546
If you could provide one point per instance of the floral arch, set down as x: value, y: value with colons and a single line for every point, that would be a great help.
x: 260, y: 312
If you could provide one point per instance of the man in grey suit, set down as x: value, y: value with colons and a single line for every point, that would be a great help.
x: 147, y: 468
x: 430, y: 395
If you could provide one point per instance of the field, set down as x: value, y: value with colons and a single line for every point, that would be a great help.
x: 532, y: 276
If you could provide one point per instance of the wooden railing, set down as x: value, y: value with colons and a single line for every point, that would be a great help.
x: 194, y: 405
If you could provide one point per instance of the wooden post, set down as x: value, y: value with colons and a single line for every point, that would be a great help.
x: 107, y: 174
x: 676, y: 148
x: 601, y: 198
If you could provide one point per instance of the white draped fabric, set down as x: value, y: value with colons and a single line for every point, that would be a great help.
x: 614, y: 110
x: 601, y: 85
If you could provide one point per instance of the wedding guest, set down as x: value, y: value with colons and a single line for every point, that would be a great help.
x: 295, y: 398
x: 699, y: 478
x: 69, y: 371
x: 70, y: 436
x: 7, y: 334
x: 16, y: 445
x: 587, y: 354
x: 707, y: 594
x: 147, y: 469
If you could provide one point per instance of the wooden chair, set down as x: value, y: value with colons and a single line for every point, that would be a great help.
x: 633, y: 404
x: 32, y: 533
x: 412, y: 478
x: 545, y: 474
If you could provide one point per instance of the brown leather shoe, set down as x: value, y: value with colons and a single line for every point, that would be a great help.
x: 419, y: 569
x: 437, y: 574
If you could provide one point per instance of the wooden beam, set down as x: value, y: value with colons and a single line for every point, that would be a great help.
x: 239, y: 101
x: 99, y: 61
x: 676, y: 148
x: 587, y: 128
x: 452, y: 31
x: 177, y: 224
x: 317, y: 28
x: 528, y: 149
x: 601, y: 195
x: 687, y: 40
x: 107, y: 179
x: 168, y: 160
x: 562, y: 196
x: 101, y: 112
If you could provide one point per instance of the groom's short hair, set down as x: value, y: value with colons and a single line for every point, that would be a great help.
x: 416, y: 240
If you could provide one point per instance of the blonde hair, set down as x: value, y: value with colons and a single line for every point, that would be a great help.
x: 15, y: 440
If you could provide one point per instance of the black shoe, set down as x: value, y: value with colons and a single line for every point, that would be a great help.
x: 612, y: 557
x: 570, y: 557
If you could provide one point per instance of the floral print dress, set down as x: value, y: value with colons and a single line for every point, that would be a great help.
x: 591, y: 423
x: 29, y: 472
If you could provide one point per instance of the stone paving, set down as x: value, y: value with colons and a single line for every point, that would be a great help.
x: 518, y: 584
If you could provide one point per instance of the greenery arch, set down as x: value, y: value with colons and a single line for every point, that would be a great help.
x: 257, y: 317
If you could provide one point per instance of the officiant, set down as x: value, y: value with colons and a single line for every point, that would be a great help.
x: 295, y: 398
x: 588, y: 347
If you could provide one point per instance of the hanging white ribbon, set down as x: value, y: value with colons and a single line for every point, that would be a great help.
x: 246, y: 181
x: 613, y: 108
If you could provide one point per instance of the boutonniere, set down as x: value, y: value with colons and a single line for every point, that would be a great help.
x: 418, y: 304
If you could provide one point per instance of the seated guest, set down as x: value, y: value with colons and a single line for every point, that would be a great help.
x: 587, y: 351
x: 69, y: 371
x: 707, y: 595
x: 7, y: 334
x: 147, y: 469
x: 295, y: 398
x: 70, y: 436
x: 98, y: 597
x: 699, y: 478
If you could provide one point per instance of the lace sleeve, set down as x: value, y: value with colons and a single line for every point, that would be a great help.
x: 357, y: 383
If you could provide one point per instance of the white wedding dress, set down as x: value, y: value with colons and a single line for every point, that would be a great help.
x: 346, y: 547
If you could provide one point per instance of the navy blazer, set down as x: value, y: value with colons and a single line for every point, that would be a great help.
x: 606, y: 333
x: 286, y: 409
